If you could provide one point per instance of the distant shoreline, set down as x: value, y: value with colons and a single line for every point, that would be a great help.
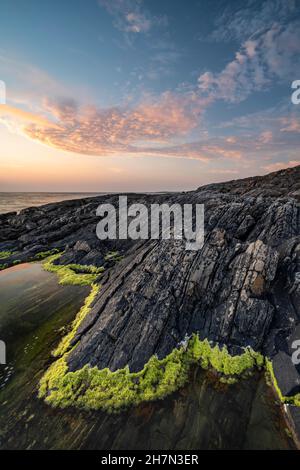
x: 17, y: 201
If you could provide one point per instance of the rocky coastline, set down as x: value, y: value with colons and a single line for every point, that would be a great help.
x: 241, y: 290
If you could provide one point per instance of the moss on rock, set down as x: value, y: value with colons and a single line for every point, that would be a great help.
x: 64, y: 345
x: 93, y: 388
x: 75, y: 274
x: 5, y: 254
x: 292, y: 400
x: 45, y: 254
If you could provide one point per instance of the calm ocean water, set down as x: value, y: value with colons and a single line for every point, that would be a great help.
x: 16, y: 201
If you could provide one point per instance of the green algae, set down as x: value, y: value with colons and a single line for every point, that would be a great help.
x: 93, y: 388
x: 292, y: 400
x: 74, y: 274
x: 65, y: 343
x: 45, y: 254
x: 5, y: 254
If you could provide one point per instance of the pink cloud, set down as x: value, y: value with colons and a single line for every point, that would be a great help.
x: 127, y: 130
x: 280, y: 165
x: 266, y: 137
x: 291, y: 124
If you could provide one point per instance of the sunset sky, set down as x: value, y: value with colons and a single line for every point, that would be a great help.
x: 129, y: 95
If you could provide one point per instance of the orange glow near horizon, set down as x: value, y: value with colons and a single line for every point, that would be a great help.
x: 127, y: 95
x: 26, y: 165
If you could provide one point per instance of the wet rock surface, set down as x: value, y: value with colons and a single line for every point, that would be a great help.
x: 241, y: 288
x: 204, y: 414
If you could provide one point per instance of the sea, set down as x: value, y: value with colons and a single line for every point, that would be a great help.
x: 15, y: 202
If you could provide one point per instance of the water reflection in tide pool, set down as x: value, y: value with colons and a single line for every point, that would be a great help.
x: 203, y: 415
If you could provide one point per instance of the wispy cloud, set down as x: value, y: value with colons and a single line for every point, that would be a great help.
x: 238, y: 24
x: 162, y: 61
x: 171, y: 124
x: 269, y: 54
x: 131, y: 16
x: 279, y: 124
x: 290, y: 124
x: 238, y: 79
x: 26, y: 82
x: 17, y: 114
x: 159, y: 126
x: 205, y: 151
x: 272, y: 57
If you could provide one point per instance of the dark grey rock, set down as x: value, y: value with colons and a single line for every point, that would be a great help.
x: 242, y: 288
x: 286, y: 374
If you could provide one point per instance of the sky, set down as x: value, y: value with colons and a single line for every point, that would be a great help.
x: 146, y: 95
